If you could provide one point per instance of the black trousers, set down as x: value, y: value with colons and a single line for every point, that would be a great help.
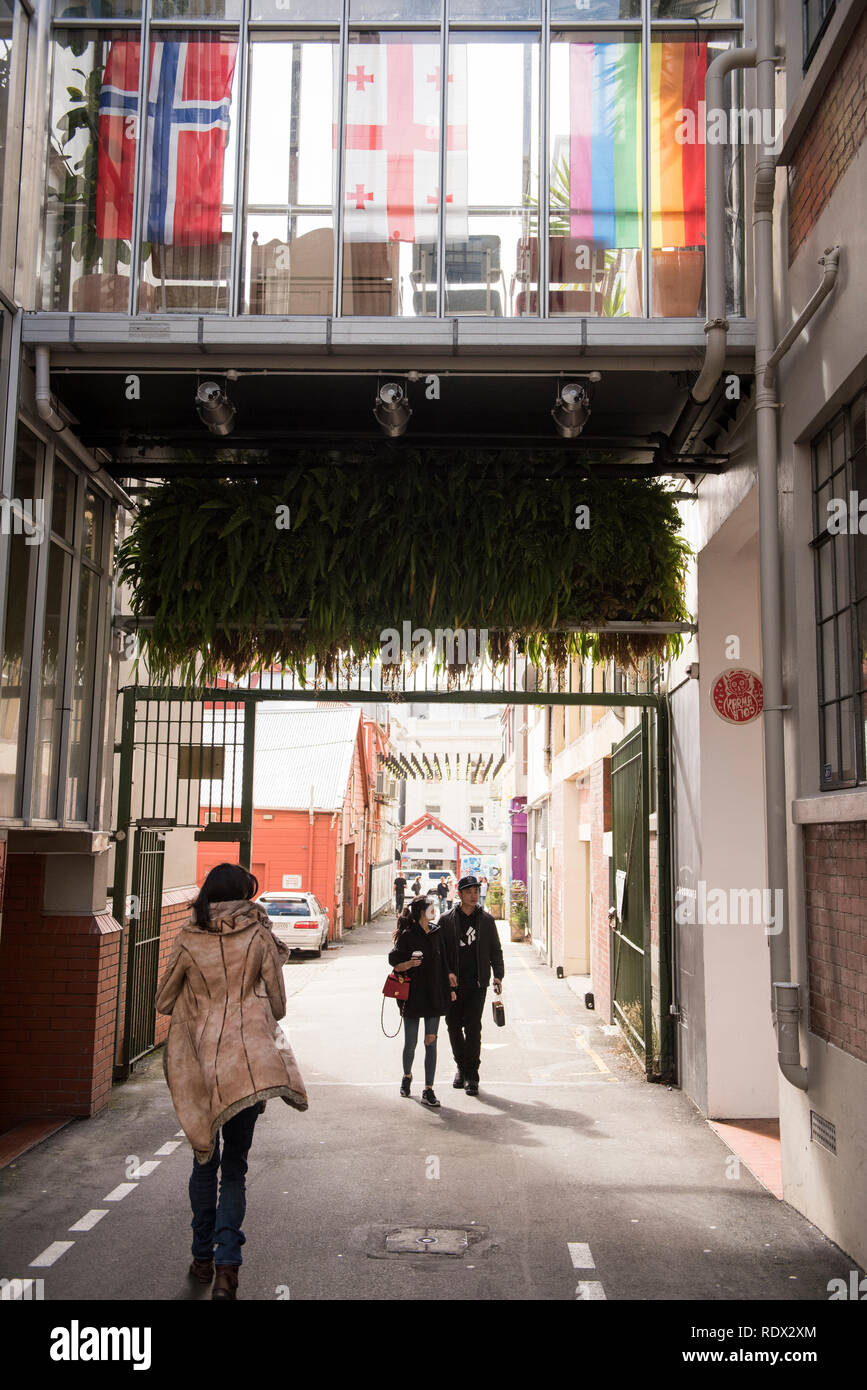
x: 464, y: 1022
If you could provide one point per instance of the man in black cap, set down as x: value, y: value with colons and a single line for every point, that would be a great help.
x: 476, y: 944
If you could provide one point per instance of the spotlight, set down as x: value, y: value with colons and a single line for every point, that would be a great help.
x: 572, y: 410
x: 214, y: 408
x: 392, y: 409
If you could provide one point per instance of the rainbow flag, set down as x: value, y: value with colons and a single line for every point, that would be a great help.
x: 605, y: 146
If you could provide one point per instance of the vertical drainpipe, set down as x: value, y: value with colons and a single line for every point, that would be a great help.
x: 785, y: 994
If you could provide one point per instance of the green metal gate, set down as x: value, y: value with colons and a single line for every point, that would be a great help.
x: 143, y: 948
x: 640, y: 962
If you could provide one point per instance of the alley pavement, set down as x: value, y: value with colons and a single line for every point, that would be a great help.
x: 568, y: 1177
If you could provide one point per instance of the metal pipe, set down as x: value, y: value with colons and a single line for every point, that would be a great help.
x: 46, y: 409
x: 786, y: 1018
x: 717, y: 324
x: 831, y: 262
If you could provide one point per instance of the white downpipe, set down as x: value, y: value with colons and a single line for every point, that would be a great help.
x: 785, y: 994
x: 831, y: 263
x: 717, y: 324
x: 46, y: 409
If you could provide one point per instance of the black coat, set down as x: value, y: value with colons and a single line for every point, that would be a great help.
x: 489, y: 952
x: 429, y: 989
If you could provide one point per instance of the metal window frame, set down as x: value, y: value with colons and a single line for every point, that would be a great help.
x: 810, y: 46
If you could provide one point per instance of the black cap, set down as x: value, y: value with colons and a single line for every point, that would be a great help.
x: 469, y: 881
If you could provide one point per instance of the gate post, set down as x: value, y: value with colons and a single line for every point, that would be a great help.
x: 121, y: 851
x: 645, y: 892
x: 667, y: 1055
x: 245, y: 846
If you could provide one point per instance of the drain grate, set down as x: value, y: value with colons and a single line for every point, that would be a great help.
x: 427, y: 1240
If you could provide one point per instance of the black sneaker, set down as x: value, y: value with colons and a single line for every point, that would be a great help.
x: 405, y: 1085
x: 459, y: 1081
x: 428, y: 1098
x: 472, y: 1088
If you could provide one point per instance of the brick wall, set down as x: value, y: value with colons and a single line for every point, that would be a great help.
x: 600, y: 820
x: 830, y: 142
x: 58, y: 977
x: 835, y: 859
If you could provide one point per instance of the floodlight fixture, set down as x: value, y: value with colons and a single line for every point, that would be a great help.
x: 392, y: 409
x: 214, y: 408
x: 571, y: 410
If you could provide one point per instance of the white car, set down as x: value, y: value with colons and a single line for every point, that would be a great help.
x: 298, y: 919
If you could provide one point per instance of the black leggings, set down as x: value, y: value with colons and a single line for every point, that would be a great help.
x: 410, y: 1041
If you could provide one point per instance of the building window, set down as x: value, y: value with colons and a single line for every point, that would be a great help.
x: 840, y: 550
x: 14, y: 35
x: 817, y: 14
x: 21, y: 536
x: 477, y: 818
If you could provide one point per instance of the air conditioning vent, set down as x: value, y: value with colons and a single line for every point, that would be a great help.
x: 823, y: 1132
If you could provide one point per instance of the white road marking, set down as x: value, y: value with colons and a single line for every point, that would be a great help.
x: 51, y: 1253
x: 145, y: 1169
x: 580, y: 1255
x: 492, y: 1047
x: 89, y: 1220
x: 118, y: 1193
x: 179, y: 1134
x: 168, y: 1148
x: 589, y: 1289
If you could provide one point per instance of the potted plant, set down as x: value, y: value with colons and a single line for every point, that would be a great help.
x: 100, y: 287
x: 518, y: 914
x: 494, y: 899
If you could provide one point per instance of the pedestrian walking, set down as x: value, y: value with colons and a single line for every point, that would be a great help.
x: 399, y: 892
x: 483, y: 890
x: 473, y: 940
x: 442, y: 891
x: 226, y: 1055
x: 416, y: 887
x: 422, y: 950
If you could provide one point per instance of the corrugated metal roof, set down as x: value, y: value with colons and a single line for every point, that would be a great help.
x: 300, y: 748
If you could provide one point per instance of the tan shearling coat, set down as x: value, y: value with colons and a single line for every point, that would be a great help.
x: 223, y: 987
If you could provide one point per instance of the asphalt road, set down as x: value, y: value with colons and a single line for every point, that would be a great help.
x: 568, y: 1177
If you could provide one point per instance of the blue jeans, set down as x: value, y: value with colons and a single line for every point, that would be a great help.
x: 217, y: 1224
x: 410, y: 1039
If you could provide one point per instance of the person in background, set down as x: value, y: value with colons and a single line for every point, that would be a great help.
x: 473, y: 938
x: 416, y: 886
x: 483, y: 890
x: 399, y: 892
x: 442, y: 891
x: 226, y: 1055
x: 423, y: 951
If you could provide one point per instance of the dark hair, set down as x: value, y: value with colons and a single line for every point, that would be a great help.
x: 225, y: 883
x: 411, y: 915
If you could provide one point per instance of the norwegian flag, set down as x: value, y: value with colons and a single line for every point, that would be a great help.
x: 189, y: 98
x: 391, y: 192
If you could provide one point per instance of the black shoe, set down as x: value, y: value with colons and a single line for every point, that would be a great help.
x: 405, y: 1085
x: 472, y: 1088
x: 428, y: 1098
x: 459, y: 1081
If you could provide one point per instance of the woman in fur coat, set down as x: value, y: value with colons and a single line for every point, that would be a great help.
x: 225, y: 1057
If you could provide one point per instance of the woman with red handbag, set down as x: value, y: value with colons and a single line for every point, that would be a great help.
x: 423, y: 950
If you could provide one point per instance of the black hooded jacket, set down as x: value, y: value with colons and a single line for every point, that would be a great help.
x: 429, y: 988
x: 489, y: 952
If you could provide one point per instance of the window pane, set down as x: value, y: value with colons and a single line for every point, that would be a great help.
x: 196, y: 9
x: 395, y: 9
x: 49, y: 709
x: 695, y: 9
x: 847, y: 729
x: 289, y: 10
x: 492, y: 179
x: 97, y: 9
x: 83, y: 686
x: 829, y: 661
x: 91, y: 166
x: 19, y: 585
x: 595, y: 9
x: 844, y: 650
x: 824, y: 570
x: 63, y: 502
x: 391, y: 170
x: 841, y: 558
x: 595, y: 177
x: 91, y: 541
x: 188, y: 195
x: 495, y: 9
x: 822, y: 457
x: 289, y: 240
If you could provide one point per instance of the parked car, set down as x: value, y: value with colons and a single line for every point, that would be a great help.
x: 298, y: 919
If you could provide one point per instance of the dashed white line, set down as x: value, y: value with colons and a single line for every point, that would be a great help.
x: 168, y: 1148
x: 145, y: 1169
x: 89, y: 1220
x: 589, y: 1289
x: 122, y: 1190
x: 580, y: 1255
x: 51, y: 1253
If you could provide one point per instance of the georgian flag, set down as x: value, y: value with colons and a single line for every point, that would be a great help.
x: 189, y: 96
x: 391, y: 189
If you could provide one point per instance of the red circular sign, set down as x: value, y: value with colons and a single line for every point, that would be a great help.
x: 737, y: 695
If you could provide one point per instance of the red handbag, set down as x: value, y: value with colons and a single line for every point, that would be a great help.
x: 396, y: 987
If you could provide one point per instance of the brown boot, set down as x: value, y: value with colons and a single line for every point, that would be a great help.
x: 203, y: 1270
x: 226, y: 1282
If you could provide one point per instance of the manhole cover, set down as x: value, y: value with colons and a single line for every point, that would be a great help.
x: 427, y: 1240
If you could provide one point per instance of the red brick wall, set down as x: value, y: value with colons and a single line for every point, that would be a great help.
x: 600, y: 819
x: 835, y: 859
x: 58, y: 977
x: 830, y: 142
